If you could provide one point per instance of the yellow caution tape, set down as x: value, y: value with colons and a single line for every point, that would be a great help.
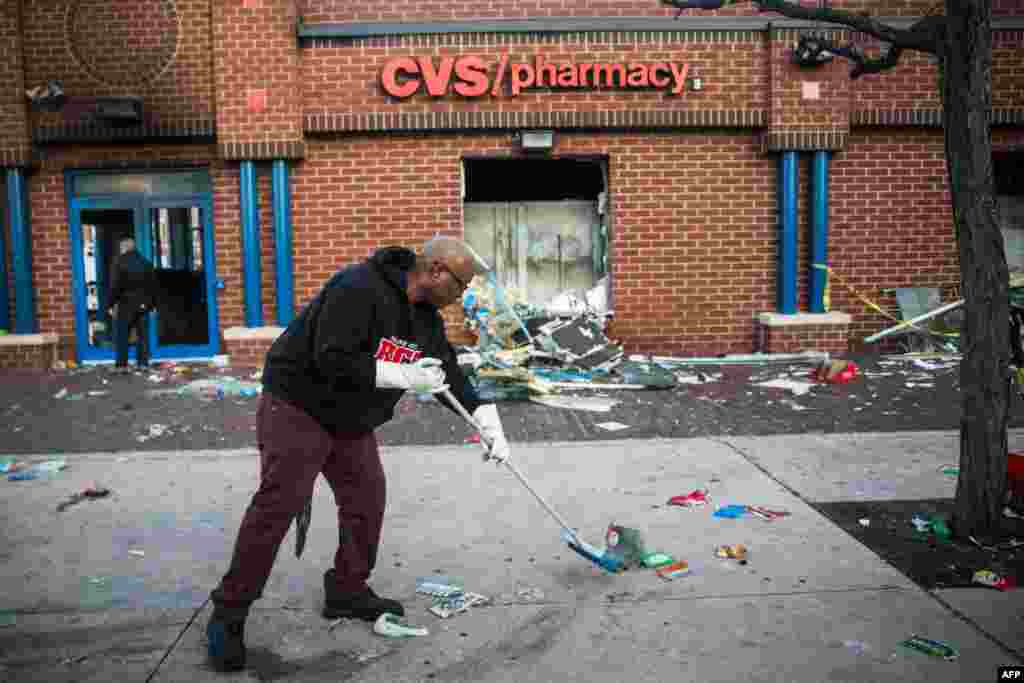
x: 868, y: 302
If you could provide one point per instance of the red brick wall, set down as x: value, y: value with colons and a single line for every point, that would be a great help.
x: 369, y: 10
x: 256, y: 55
x: 880, y: 238
x: 798, y: 338
x: 1008, y: 67
x: 13, y: 112
x: 789, y: 109
x: 155, y: 49
x: 25, y: 356
x: 345, y: 78
x: 679, y: 283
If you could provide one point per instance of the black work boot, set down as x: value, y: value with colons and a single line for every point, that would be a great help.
x: 226, y: 639
x: 365, y: 605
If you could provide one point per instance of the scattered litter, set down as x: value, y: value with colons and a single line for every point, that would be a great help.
x: 987, y: 577
x: 7, y: 617
x: 766, y: 514
x: 836, y: 371
x: 935, y: 648
x: 856, y: 646
x: 456, y: 603
x: 137, y: 553
x: 793, y: 404
x: 530, y: 595
x: 699, y: 378
x: 864, y: 521
x: 732, y: 552
x: 731, y: 511
x: 625, y: 544
x: 370, y: 655
x: 39, y: 470
x: 798, y: 388
x: 92, y: 493
x: 655, y: 560
x: 952, y: 470
x: 611, y: 426
x: 7, y: 464
x: 438, y: 586
x: 71, y: 661
x: 155, y: 431
x: 1011, y: 513
x: 674, y: 570
x: 390, y: 626
x: 335, y: 624
x: 693, y: 499
x: 98, y: 393
x: 62, y: 393
x: 595, y: 404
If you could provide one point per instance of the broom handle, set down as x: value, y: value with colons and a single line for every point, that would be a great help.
x: 509, y: 464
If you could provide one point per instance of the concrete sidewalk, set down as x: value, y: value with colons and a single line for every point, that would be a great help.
x: 99, y: 591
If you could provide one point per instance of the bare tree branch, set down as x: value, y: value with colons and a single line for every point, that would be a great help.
x: 814, y: 46
x: 924, y: 36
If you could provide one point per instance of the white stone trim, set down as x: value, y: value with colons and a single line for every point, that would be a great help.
x: 794, y: 319
x: 252, y: 333
x: 29, y: 339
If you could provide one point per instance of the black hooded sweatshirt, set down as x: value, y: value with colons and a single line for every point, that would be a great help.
x: 325, y: 361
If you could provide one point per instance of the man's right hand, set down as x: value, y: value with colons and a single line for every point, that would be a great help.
x: 425, y: 376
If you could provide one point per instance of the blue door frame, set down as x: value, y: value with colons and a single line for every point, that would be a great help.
x: 141, y: 206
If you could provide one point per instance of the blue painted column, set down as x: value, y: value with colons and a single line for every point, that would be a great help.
x: 819, y: 232
x: 284, y: 282
x: 5, y: 299
x: 788, y: 171
x: 251, y: 246
x: 21, y: 253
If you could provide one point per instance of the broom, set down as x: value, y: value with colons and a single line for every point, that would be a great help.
x: 579, y: 546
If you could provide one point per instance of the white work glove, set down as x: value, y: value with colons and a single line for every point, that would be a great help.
x: 493, y: 435
x: 425, y: 376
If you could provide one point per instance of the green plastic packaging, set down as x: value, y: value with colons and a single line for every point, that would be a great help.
x: 935, y: 648
x: 655, y: 560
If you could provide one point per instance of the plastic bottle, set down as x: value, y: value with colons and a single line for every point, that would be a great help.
x: 935, y: 648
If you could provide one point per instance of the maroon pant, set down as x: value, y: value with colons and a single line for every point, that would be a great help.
x: 294, y: 449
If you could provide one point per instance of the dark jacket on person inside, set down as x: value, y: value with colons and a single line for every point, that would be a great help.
x: 133, y: 282
x: 325, y: 361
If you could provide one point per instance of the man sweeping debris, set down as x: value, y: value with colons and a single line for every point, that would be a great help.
x: 330, y: 379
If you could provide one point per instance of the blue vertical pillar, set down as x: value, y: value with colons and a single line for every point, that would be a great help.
x: 5, y: 300
x: 788, y: 170
x: 21, y: 253
x: 251, y: 246
x: 819, y: 232
x: 284, y: 282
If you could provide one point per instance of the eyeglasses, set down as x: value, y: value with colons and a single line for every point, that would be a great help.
x: 463, y: 285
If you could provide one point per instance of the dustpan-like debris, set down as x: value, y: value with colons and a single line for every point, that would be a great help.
x: 92, y: 493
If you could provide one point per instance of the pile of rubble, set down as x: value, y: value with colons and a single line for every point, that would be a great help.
x: 526, y: 351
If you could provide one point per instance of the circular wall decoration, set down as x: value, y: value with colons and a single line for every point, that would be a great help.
x: 123, y: 43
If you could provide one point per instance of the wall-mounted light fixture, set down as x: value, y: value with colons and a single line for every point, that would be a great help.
x: 537, y: 140
x: 696, y: 83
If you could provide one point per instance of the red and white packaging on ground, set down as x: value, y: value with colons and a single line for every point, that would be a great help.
x: 987, y: 577
x: 691, y: 500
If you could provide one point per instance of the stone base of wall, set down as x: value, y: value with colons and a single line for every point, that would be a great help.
x: 780, y: 333
x: 29, y: 351
x: 247, y: 346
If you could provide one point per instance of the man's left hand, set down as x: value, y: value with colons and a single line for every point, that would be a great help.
x: 493, y: 434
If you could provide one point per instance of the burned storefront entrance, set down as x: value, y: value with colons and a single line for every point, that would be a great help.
x: 169, y: 215
x: 543, y: 225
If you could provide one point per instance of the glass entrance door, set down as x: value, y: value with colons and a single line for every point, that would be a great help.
x: 100, y: 227
x: 169, y: 214
x: 179, y: 235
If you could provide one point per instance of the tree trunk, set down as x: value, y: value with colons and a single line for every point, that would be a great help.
x: 984, y: 279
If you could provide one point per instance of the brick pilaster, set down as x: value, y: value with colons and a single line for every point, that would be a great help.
x: 14, y: 136
x: 259, y: 111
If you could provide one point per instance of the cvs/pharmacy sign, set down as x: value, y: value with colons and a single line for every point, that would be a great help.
x: 472, y: 76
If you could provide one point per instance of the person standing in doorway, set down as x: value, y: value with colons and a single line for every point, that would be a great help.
x: 330, y: 379
x: 133, y: 294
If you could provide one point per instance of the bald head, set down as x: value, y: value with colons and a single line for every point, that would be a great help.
x: 453, y: 252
